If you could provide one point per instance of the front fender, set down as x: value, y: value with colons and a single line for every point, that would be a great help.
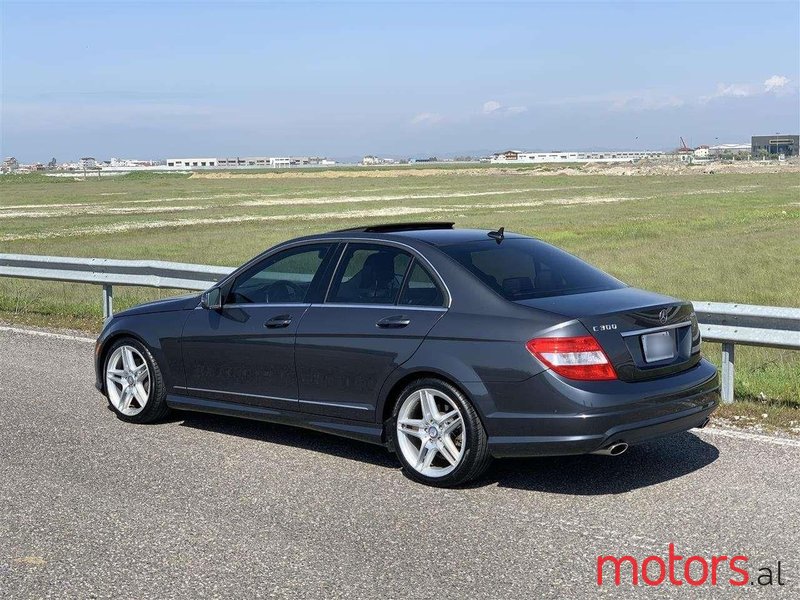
x: 159, y: 332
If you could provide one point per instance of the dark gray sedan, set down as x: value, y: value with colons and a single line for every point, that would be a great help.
x: 448, y: 346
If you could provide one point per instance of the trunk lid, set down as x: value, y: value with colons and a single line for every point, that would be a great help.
x: 645, y: 335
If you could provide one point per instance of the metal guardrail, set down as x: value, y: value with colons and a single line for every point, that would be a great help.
x: 728, y: 324
x: 110, y: 272
x: 747, y: 324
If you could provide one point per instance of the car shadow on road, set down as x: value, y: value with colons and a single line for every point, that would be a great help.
x: 641, y: 466
x: 287, y: 435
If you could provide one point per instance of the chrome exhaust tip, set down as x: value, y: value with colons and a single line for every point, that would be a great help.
x: 612, y: 449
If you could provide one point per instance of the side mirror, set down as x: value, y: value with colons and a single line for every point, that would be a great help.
x: 211, y: 299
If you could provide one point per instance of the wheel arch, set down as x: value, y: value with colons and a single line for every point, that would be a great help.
x: 106, y: 346
x: 391, y: 397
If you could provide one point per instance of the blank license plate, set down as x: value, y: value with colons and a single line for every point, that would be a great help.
x: 658, y: 346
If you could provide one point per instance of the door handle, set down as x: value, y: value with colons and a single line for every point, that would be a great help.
x: 394, y: 322
x: 279, y: 321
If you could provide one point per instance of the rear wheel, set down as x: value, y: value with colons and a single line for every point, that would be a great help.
x: 438, y: 435
x: 134, y: 385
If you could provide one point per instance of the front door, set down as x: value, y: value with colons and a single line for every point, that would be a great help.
x: 244, y: 353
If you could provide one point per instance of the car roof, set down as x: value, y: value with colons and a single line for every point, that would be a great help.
x: 434, y: 233
x: 447, y: 237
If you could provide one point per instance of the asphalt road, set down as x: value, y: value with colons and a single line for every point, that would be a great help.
x: 203, y: 506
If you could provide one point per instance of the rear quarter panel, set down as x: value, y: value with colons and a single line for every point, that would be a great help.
x: 474, y: 351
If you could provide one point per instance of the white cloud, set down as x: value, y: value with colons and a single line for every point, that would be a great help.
x: 426, y: 118
x: 645, y: 100
x: 730, y: 90
x: 775, y: 83
x: 491, y: 106
x: 734, y: 90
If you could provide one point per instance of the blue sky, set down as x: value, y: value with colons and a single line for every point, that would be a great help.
x: 159, y: 79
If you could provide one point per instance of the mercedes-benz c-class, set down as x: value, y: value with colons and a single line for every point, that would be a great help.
x: 448, y: 346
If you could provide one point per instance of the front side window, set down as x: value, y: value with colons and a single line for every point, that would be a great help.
x: 369, y: 274
x: 285, y: 277
x: 522, y: 269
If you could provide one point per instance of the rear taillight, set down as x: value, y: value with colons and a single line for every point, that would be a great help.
x: 573, y: 357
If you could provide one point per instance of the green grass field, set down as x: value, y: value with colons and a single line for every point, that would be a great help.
x: 723, y: 237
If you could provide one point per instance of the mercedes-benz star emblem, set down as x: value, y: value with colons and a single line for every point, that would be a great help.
x: 662, y: 316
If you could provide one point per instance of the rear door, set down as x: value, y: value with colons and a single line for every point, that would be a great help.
x: 381, y: 304
x: 244, y: 353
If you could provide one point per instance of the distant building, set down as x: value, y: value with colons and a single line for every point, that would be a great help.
x: 507, y: 156
x: 701, y: 152
x: 192, y: 162
x: 88, y: 162
x: 235, y: 162
x: 249, y: 161
x: 130, y: 162
x: 516, y: 156
x: 377, y: 160
x: 774, y: 145
x: 730, y: 149
x: 10, y: 164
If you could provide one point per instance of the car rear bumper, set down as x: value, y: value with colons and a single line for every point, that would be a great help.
x: 582, y: 419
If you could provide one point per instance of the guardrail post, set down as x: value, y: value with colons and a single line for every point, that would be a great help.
x: 727, y: 372
x: 108, y: 300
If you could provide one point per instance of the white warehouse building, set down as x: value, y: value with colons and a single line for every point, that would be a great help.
x: 515, y: 156
x: 191, y: 162
x: 249, y: 161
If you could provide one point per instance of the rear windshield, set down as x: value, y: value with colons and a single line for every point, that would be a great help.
x: 524, y: 268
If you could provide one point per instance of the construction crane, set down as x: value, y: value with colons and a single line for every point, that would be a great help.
x: 684, y: 149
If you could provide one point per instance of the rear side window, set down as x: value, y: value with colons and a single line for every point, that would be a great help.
x: 369, y: 274
x: 420, y: 289
x: 524, y: 268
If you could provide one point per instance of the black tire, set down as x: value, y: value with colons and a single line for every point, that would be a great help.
x: 476, y: 458
x: 156, y: 408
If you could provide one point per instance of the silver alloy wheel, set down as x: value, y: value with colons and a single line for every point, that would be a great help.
x: 431, y: 433
x: 128, y: 380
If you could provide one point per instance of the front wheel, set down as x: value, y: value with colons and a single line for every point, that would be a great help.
x: 438, y: 435
x: 133, y: 383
